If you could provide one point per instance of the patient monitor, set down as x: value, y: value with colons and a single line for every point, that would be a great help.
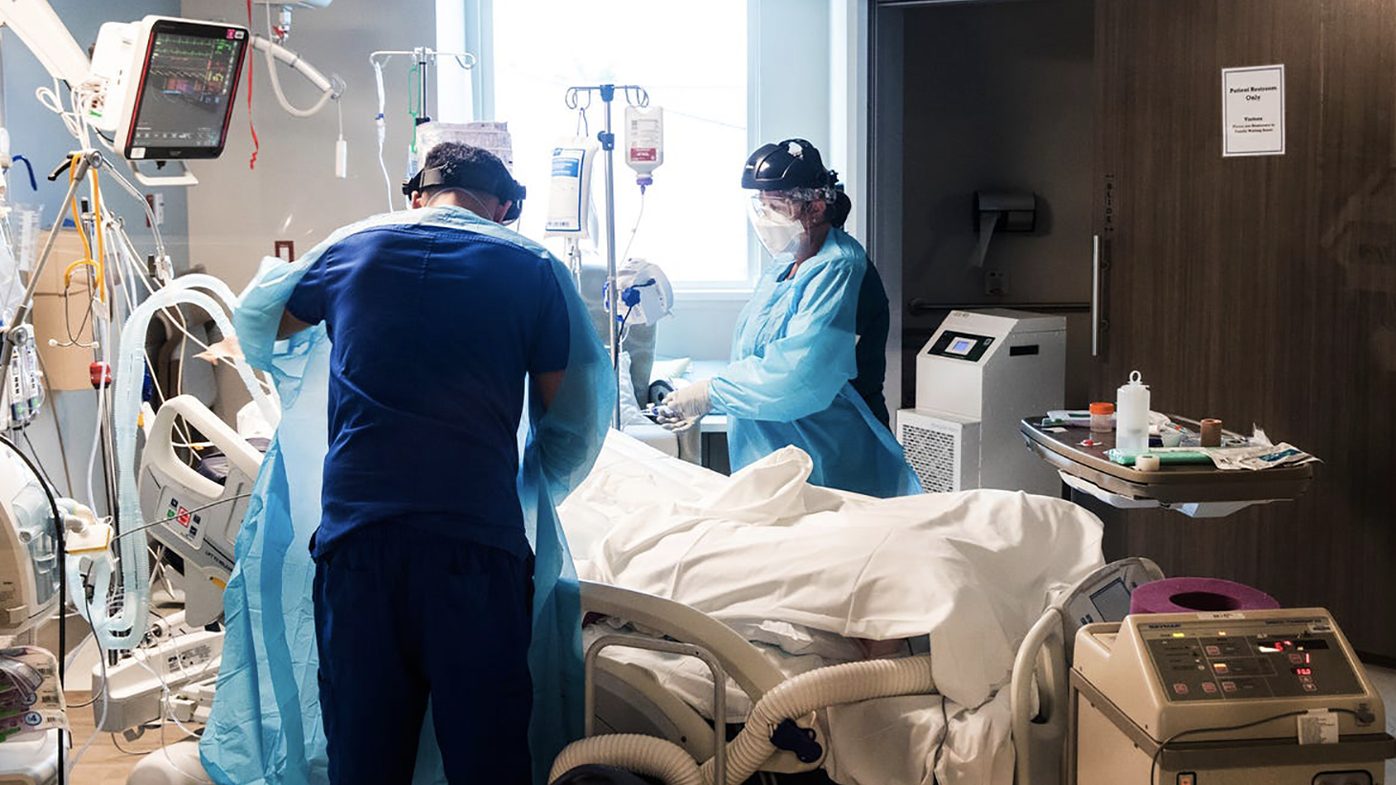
x: 1224, y: 699
x: 976, y: 378
x: 165, y: 87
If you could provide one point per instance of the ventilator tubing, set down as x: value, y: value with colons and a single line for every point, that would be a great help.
x: 125, y: 628
x: 793, y: 698
x: 644, y: 755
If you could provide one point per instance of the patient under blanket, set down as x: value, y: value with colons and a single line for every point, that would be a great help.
x: 806, y: 569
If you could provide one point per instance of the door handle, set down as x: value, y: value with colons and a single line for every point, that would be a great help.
x: 1095, y: 295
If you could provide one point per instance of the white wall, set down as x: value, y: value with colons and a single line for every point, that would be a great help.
x: 237, y: 213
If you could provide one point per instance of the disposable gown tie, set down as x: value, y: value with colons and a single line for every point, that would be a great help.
x: 789, y: 382
x: 265, y: 725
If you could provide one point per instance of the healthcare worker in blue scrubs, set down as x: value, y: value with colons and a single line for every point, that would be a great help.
x: 423, y: 572
x: 809, y: 352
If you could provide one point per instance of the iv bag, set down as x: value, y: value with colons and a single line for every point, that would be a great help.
x: 569, y: 190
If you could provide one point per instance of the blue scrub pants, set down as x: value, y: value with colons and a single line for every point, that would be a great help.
x: 401, y: 615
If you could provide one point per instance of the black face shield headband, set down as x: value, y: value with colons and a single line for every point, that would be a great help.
x: 508, y: 190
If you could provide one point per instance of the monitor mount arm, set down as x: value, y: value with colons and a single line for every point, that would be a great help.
x: 39, y: 27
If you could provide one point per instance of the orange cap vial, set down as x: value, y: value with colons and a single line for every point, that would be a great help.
x: 1102, y: 417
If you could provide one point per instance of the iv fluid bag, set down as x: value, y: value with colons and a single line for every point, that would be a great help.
x: 644, y: 146
x: 569, y: 191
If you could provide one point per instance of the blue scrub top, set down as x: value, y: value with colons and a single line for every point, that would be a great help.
x: 432, y: 329
x: 795, y: 357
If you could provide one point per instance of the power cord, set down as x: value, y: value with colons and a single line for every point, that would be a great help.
x: 1158, y: 753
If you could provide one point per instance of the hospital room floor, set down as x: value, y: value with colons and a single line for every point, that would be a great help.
x: 104, y: 764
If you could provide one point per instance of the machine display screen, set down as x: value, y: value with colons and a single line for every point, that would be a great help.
x: 961, y: 346
x: 186, y: 91
x: 1112, y: 601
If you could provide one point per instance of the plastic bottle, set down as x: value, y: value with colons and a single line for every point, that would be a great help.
x: 1102, y: 417
x: 1132, y: 416
x: 644, y: 142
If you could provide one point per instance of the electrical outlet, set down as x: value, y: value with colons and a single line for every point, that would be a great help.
x: 995, y: 283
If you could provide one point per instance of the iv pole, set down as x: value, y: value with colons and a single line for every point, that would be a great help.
x: 425, y: 58
x: 634, y: 96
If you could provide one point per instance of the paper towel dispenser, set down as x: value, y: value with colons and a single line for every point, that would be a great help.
x: 1010, y: 211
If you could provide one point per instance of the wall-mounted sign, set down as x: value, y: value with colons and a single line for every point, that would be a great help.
x: 1253, y: 111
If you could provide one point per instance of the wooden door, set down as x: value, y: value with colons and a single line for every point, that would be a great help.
x: 1260, y: 290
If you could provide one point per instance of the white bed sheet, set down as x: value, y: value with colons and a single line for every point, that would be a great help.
x: 972, y: 570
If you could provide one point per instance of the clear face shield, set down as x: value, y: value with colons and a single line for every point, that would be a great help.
x: 775, y: 218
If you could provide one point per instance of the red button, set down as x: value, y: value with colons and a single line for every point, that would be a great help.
x: 183, y: 517
x: 1208, y: 687
x: 1228, y: 686
x: 1180, y: 688
x: 1213, y: 651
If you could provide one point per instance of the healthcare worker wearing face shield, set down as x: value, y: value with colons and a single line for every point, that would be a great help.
x: 809, y: 351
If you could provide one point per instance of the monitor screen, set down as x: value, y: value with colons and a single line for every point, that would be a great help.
x: 1112, y: 601
x: 185, y: 95
x: 961, y: 346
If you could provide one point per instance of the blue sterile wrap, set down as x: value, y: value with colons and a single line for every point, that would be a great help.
x: 265, y: 725
x: 790, y: 379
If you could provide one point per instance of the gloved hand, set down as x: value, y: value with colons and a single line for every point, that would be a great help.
x: 690, y: 402
x: 681, y: 409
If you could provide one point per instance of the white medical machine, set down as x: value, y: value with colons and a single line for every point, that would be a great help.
x: 976, y: 378
x: 171, y: 676
x: 201, y: 515
x: 29, y: 564
x: 32, y: 760
x: 1241, y: 698
x: 164, y: 86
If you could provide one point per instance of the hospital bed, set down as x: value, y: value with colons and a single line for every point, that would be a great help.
x: 629, y: 696
x: 639, y: 502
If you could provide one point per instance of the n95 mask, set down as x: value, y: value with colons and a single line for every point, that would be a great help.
x: 778, y: 232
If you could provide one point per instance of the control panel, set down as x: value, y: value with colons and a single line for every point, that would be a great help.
x: 960, y: 346
x: 1249, y: 659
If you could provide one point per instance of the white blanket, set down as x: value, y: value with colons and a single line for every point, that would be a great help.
x: 972, y: 570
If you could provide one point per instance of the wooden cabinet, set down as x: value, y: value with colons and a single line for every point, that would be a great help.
x: 1259, y: 290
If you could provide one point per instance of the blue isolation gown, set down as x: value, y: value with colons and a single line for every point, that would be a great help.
x: 265, y: 725
x: 790, y: 379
